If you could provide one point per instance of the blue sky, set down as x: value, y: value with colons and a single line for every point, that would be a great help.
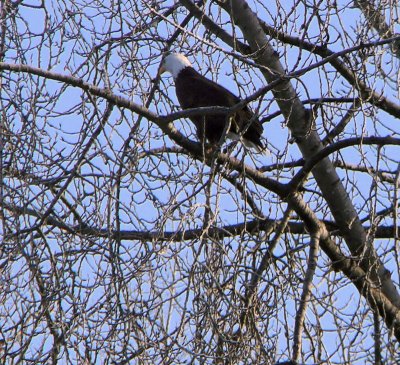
x: 146, y: 199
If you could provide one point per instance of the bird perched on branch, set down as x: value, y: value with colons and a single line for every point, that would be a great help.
x: 194, y: 90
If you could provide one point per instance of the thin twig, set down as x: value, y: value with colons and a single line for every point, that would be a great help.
x: 305, y: 296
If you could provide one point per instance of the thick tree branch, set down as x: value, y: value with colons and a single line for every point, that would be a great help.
x: 77, y: 82
x: 323, y: 51
x: 214, y: 28
x: 248, y: 227
x: 324, y: 173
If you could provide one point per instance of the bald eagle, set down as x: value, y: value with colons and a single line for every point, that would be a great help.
x: 194, y: 90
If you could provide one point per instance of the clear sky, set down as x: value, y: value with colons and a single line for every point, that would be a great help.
x: 106, y: 283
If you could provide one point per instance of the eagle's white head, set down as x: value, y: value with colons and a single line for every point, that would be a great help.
x: 174, y: 63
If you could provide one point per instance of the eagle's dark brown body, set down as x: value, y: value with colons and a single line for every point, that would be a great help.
x: 194, y: 90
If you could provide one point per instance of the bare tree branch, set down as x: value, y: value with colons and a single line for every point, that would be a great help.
x: 305, y: 296
x: 376, y: 20
x: 125, y: 240
x: 328, y: 55
x: 310, y: 144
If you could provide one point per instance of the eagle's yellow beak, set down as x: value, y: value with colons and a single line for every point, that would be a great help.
x: 161, y: 70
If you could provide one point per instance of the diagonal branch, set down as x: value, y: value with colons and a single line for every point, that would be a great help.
x: 323, y: 51
x: 324, y: 172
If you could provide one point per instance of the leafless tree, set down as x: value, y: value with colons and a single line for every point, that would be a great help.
x: 124, y: 241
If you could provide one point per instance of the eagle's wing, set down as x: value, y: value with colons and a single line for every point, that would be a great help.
x: 194, y: 90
